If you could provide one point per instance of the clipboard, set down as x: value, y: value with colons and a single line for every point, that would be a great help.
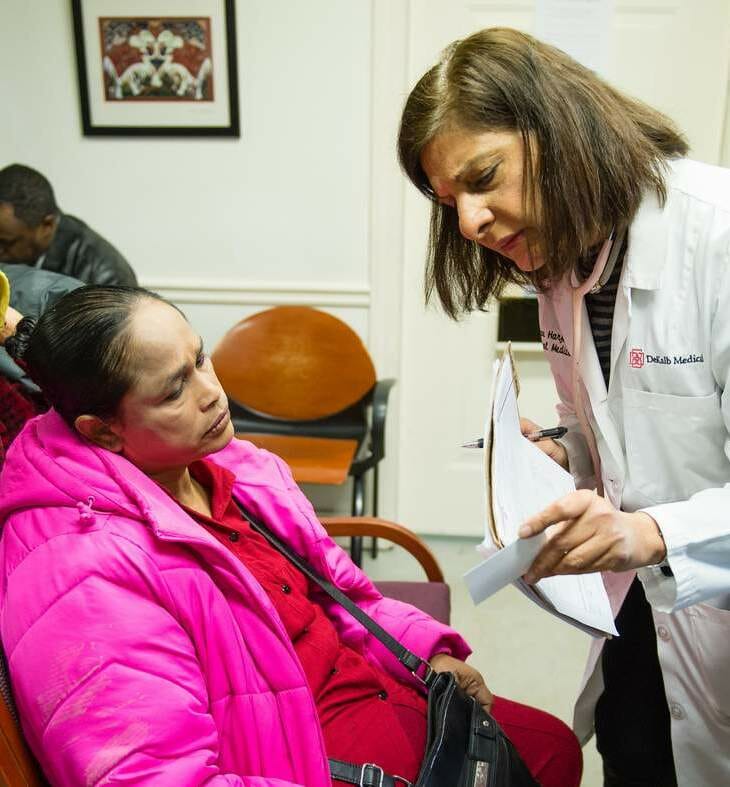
x: 518, y: 483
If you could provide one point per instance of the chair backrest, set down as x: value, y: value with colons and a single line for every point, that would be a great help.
x: 293, y: 363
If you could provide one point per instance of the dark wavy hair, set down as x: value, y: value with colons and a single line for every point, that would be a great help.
x: 79, y: 351
x: 29, y: 192
x: 591, y: 153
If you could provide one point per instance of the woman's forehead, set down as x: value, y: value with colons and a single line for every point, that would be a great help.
x: 160, y: 335
x: 451, y: 154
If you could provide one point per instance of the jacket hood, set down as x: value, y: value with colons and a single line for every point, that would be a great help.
x: 50, y: 465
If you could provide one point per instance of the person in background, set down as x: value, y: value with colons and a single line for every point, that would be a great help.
x: 541, y: 173
x: 34, y: 231
x: 152, y: 636
x: 32, y: 291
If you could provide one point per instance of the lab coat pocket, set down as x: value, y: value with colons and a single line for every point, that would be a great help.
x: 711, y: 628
x: 674, y: 444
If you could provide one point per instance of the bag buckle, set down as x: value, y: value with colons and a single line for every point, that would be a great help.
x: 377, y: 771
x: 428, y: 673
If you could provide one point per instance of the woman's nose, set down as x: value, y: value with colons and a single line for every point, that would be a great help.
x: 474, y: 216
x: 211, y: 391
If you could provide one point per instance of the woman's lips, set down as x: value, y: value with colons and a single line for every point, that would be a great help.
x: 219, y: 425
x: 509, y: 241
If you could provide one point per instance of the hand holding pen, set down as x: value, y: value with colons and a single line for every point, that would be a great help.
x: 554, y: 449
x: 534, y: 435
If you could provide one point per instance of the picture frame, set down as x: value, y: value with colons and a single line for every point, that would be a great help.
x: 157, y: 68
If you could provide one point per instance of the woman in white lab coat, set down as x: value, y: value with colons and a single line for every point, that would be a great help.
x: 540, y: 173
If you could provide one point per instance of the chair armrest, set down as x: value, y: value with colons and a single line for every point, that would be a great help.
x: 381, y: 528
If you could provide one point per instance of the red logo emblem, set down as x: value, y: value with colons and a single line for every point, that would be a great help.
x: 636, y: 358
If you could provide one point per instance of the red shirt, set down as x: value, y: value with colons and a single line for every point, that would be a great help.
x: 366, y: 715
x: 16, y: 407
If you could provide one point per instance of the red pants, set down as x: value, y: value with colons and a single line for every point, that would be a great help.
x: 393, y: 734
x: 548, y: 747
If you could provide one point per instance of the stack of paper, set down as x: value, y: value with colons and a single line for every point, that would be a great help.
x: 520, y: 481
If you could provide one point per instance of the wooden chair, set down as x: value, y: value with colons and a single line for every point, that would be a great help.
x: 301, y: 384
x: 17, y: 765
x: 432, y: 596
x: 18, y: 768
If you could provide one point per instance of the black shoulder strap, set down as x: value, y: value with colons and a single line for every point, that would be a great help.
x: 409, y: 660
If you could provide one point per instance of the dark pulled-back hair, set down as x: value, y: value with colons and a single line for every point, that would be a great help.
x: 591, y: 153
x: 79, y: 351
x: 29, y: 192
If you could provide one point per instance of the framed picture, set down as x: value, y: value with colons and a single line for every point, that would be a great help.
x: 157, y: 68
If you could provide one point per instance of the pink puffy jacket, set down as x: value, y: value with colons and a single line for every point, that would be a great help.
x: 141, y: 651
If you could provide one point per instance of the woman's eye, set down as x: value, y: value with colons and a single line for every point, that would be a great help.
x: 176, y: 393
x: 200, y: 360
x: 485, y: 179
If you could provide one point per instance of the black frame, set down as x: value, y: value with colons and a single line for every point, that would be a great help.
x: 233, y: 129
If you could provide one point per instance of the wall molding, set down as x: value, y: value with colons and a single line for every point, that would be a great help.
x: 244, y: 292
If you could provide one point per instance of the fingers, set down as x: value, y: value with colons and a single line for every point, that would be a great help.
x: 526, y: 426
x: 473, y: 684
x: 484, y: 697
x: 584, y: 559
x: 552, y: 561
x: 572, y: 506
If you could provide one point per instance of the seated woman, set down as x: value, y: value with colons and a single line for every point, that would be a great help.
x: 152, y: 637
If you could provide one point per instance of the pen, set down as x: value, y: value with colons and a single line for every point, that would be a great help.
x: 542, y: 434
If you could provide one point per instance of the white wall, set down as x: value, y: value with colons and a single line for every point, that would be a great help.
x: 224, y: 227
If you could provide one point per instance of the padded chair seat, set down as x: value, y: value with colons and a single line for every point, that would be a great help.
x: 313, y: 460
x: 433, y: 598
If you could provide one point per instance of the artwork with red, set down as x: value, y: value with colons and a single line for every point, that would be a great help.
x: 150, y: 59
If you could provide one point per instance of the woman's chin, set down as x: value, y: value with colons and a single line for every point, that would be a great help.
x: 225, y: 437
x: 528, y: 264
x: 220, y: 441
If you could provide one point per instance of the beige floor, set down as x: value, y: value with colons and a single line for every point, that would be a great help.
x: 524, y: 653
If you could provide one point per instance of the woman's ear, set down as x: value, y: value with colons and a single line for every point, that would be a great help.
x: 99, y: 432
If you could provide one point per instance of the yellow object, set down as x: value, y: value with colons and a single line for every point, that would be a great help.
x: 4, y: 297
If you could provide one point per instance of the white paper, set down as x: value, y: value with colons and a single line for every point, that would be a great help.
x: 581, y: 28
x: 502, y: 567
x: 524, y: 482
x: 527, y: 480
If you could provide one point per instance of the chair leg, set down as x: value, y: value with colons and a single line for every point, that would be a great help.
x: 358, y: 508
x: 374, y: 542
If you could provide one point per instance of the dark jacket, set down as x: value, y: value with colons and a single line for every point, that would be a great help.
x: 78, y: 251
x: 32, y: 291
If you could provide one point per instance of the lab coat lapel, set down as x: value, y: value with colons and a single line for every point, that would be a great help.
x: 592, y: 377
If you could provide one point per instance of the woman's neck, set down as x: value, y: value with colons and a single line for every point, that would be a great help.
x: 184, y: 488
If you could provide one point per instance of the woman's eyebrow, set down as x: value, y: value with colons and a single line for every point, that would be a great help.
x: 480, y: 160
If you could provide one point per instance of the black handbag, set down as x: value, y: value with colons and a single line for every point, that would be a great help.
x: 465, y: 745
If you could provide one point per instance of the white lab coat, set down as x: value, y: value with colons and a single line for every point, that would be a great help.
x: 663, y: 435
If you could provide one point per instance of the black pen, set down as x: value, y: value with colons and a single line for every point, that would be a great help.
x: 543, y: 434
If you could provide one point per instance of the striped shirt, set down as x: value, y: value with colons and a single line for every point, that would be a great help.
x: 600, y: 306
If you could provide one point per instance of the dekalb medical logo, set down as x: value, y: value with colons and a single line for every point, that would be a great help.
x: 638, y: 358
